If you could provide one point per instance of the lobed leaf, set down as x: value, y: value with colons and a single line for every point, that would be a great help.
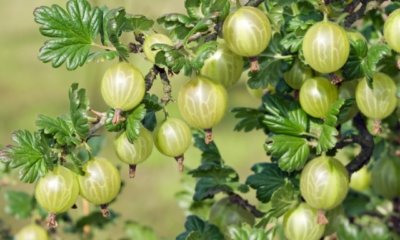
x: 284, y: 199
x: 18, y: 204
x: 198, y: 229
x: 79, y: 105
x: 133, y: 123
x: 61, y: 129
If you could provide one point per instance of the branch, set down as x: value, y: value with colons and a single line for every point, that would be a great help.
x: 355, y: 15
x: 167, y: 90
x: 254, y: 3
x: 102, y: 118
x: 237, y: 199
x: 150, y: 77
x: 364, y: 139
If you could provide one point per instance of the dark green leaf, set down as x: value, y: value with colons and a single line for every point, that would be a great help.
x: 110, y: 126
x: 134, y: 230
x: 214, y: 170
x: 208, y: 187
x: 355, y: 203
x: 152, y: 102
x: 210, y: 152
x: 347, y: 231
x: 18, y: 204
x: 72, y: 32
x: 292, y: 152
x: 79, y: 105
x: 284, y: 116
x: 250, y: 118
x: 375, y: 54
x: 134, y: 124
x: 197, y: 229
x: 31, y: 154
x: 284, y: 199
x: 94, y: 219
x: 267, y: 178
x: 60, y: 129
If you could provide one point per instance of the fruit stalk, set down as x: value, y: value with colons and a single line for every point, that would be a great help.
x: 132, y: 170
x: 179, y: 160
x: 104, y: 210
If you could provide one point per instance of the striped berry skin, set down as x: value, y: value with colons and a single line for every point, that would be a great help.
x: 379, y: 102
x: 101, y: 182
x: 386, y: 178
x: 326, y: 47
x: 58, y: 190
x: 317, y: 96
x: 360, y: 180
x: 136, y: 152
x: 247, y: 31
x: 154, y: 39
x: 123, y: 86
x: 301, y: 223
x: 224, y: 66
x: 202, y: 103
x: 391, y: 30
x: 324, y: 183
x: 173, y: 137
x: 32, y: 232
x: 296, y: 76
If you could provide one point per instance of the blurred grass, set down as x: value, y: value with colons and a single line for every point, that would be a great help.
x: 29, y: 87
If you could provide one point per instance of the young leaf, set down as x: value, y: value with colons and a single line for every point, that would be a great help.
x: 61, y: 129
x: 247, y: 232
x: 31, y: 154
x: 250, y: 118
x: 18, y: 204
x: 79, y: 105
x: 72, y: 32
x: 267, y: 178
x: 197, y: 229
x: 138, y: 23
x: 134, y: 122
x: 292, y: 152
x: 115, y: 22
x: 284, y: 116
x: 283, y: 199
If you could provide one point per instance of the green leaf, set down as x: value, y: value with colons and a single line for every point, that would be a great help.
x: 134, y: 230
x: 205, y: 51
x: 356, y: 203
x: 94, y: 219
x: 115, y: 22
x: 267, y: 178
x: 375, y: 54
x: 18, y: 204
x: 247, y: 232
x: 292, y: 152
x: 71, y: 32
x: 60, y: 129
x: 110, y: 126
x: 171, y: 58
x: 79, y: 105
x: 134, y: 124
x: 210, y: 152
x: 214, y: 170
x: 178, y: 25
x: 199, y: 9
x: 138, y: 23
x: 284, y: 116
x: 152, y: 105
x: 207, y: 187
x: 31, y: 154
x: 250, y: 118
x: 197, y: 229
x: 284, y: 199
x: 347, y: 231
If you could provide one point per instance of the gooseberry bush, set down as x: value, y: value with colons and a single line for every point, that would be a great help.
x: 326, y: 73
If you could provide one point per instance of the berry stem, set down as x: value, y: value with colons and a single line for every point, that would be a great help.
x: 322, y: 220
x: 376, y: 127
x: 117, y: 116
x: 209, y: 137
x: 179, y: 160
x: 132, y: 170
x: 52, y: 220
x: 254, y: 65
x: 104, y: 210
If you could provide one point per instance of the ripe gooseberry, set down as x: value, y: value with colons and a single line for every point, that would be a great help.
x: 32, y: 232
x: 361, y: 179
x: 151, y: 40
x: 172, y: 138
x: 324, y: 183
x: 247, y: 31
x: 101, y: 182
x: 326, y: 47
x: 225, y: 213
x: 57, y: 192
x: 380, y: 101
x: 122, y: 88
x: 317, y: 95
x: 202, y: 103
x: 386, y: 178
x: 391, y: 30
x: 223, y: 67
x: 136, y: 152
x: 297, y: 75
x: 301, y: 223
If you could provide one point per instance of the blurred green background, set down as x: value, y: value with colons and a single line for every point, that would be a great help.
x: 28, y: 88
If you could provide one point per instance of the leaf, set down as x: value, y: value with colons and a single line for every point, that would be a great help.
x: 207, y: 187
x: 134, y: 230
x: 31, y: 155
x: 71, y: 32
x: 355, y: 203
x: 134, y: 124
x: 199, y: 9
x: 267, y: 178
x: 178, y: 25
x: 284, y: 199
x: 115, y: 22
x: 138, y: 23
x: 197, y: 229
x: 250, y: 118
x: 205, y: 51
x: 61, y: 129
x: 284, y: 116
x: 247, y: 232
x: 375, y: 54
x: 94, y: 219
x: 171, y: 58
x: 79, y: 105
x: 210, y: 152
x: 214, y: 170
x: 18, y: 204
x: 292, y: 152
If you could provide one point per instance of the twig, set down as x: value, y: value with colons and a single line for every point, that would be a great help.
x: 102, y: 117
x: 355, y: 15
x: 254, y: 3
x: 394, y: 220
x: 237, y: 199
x: 192, y: 38
x: 150, y: 77
x: 167, y: 90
